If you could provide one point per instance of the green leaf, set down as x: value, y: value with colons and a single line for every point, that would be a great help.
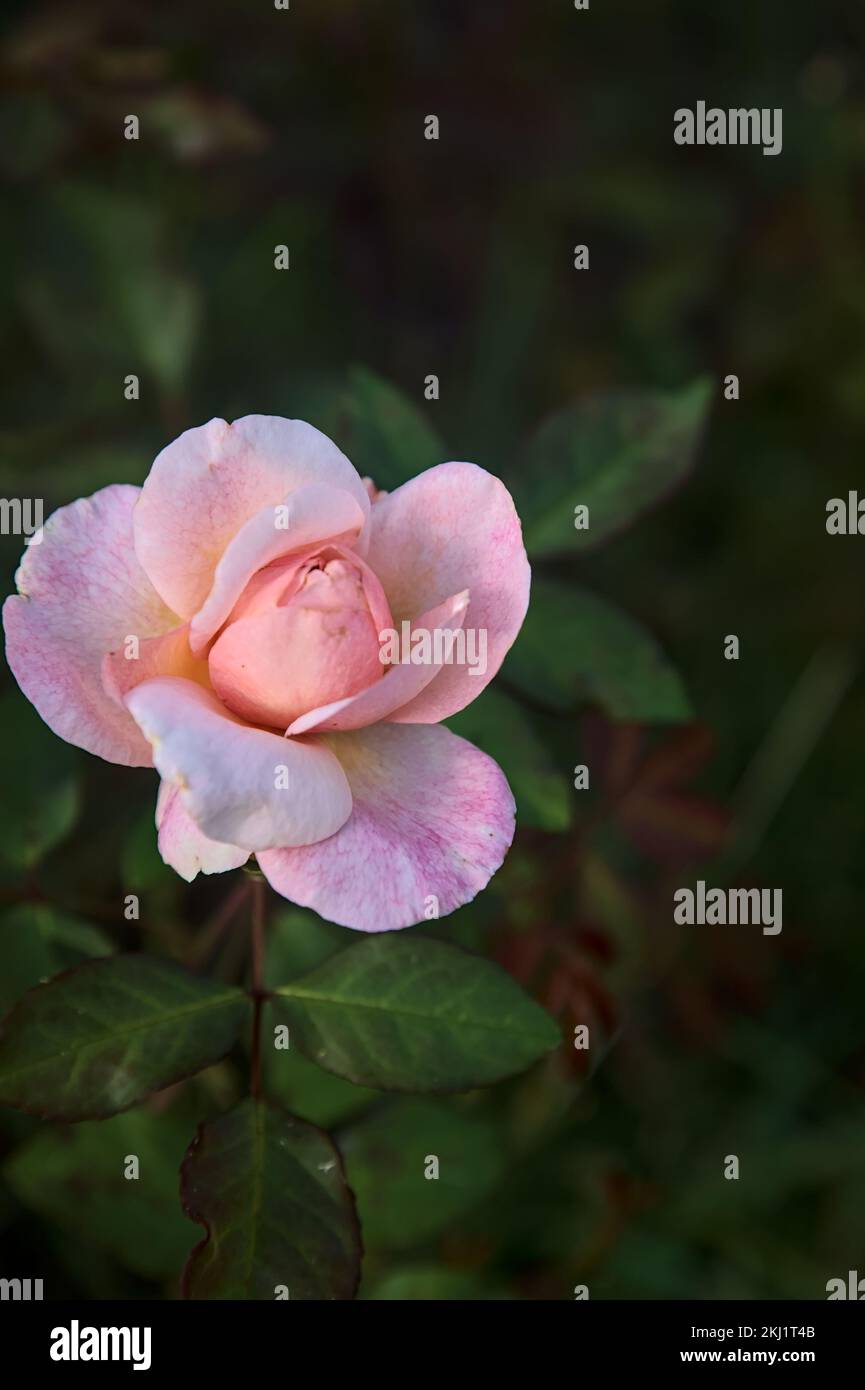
x: 94, y: 1041
x: 163, y: 313
x: 406, y: 1013
x: 75, y: 1178
x: 298, y: 940
x: 501, y: 728
x: 41, y: 793
x: 303, y: 1088
x: 387, y: 1158
x: 307, y: 1091
x: 383, y: 432
x: 617, y: 453
x: 157, y: 309
x: 575, y: 648
x: 271, y: 1193
x: 37, y: 942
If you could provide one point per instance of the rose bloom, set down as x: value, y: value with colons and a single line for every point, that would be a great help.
x: 222, y: 622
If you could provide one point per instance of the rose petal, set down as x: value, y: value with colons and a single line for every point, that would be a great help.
x: 453, y: 527
x: 433, y: 818
x: 399, y: 685
x: 271, y: 668
x: 208, y: 483
x: 231, y: 776
x: 183, y: 846
x: 168, y: 655
x: 276, y: 584
x: 82, y: 591
x: 314, y: 513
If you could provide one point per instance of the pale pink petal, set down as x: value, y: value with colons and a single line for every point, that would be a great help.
x: 312, y: 514
x: 453, y: 527
x: 183, y: 846
x: 276, y: 584
x: 400, y: 684
x: 374, y: 492
x: 271, y: 668
x: 208, y: 483
x: 82, y: 592
x: 432, y: 821
x: 241, y: 786
x: 168, y: 655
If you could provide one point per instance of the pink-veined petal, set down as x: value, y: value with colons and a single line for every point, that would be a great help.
x: 82, y: 592
x: 207, y: 484
x: 313, y: 513
x: 184, y: 847
x: 241, y: 785
x: 453, y: 527
x: 399, y: 685
x: 166, y: 655
x: 432, y: 821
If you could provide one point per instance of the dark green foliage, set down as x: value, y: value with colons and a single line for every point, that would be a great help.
x: 602, y: 388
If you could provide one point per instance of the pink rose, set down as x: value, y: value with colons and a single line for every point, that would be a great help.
x: 224, y: 623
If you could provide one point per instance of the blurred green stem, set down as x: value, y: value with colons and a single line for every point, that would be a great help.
x: 258, y: 892
x: 772, y: 772
x: 210, y: 935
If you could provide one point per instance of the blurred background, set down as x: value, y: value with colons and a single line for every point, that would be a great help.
x: 455, y: 257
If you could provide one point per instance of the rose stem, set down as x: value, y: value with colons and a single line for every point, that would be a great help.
x: 258, y: 891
